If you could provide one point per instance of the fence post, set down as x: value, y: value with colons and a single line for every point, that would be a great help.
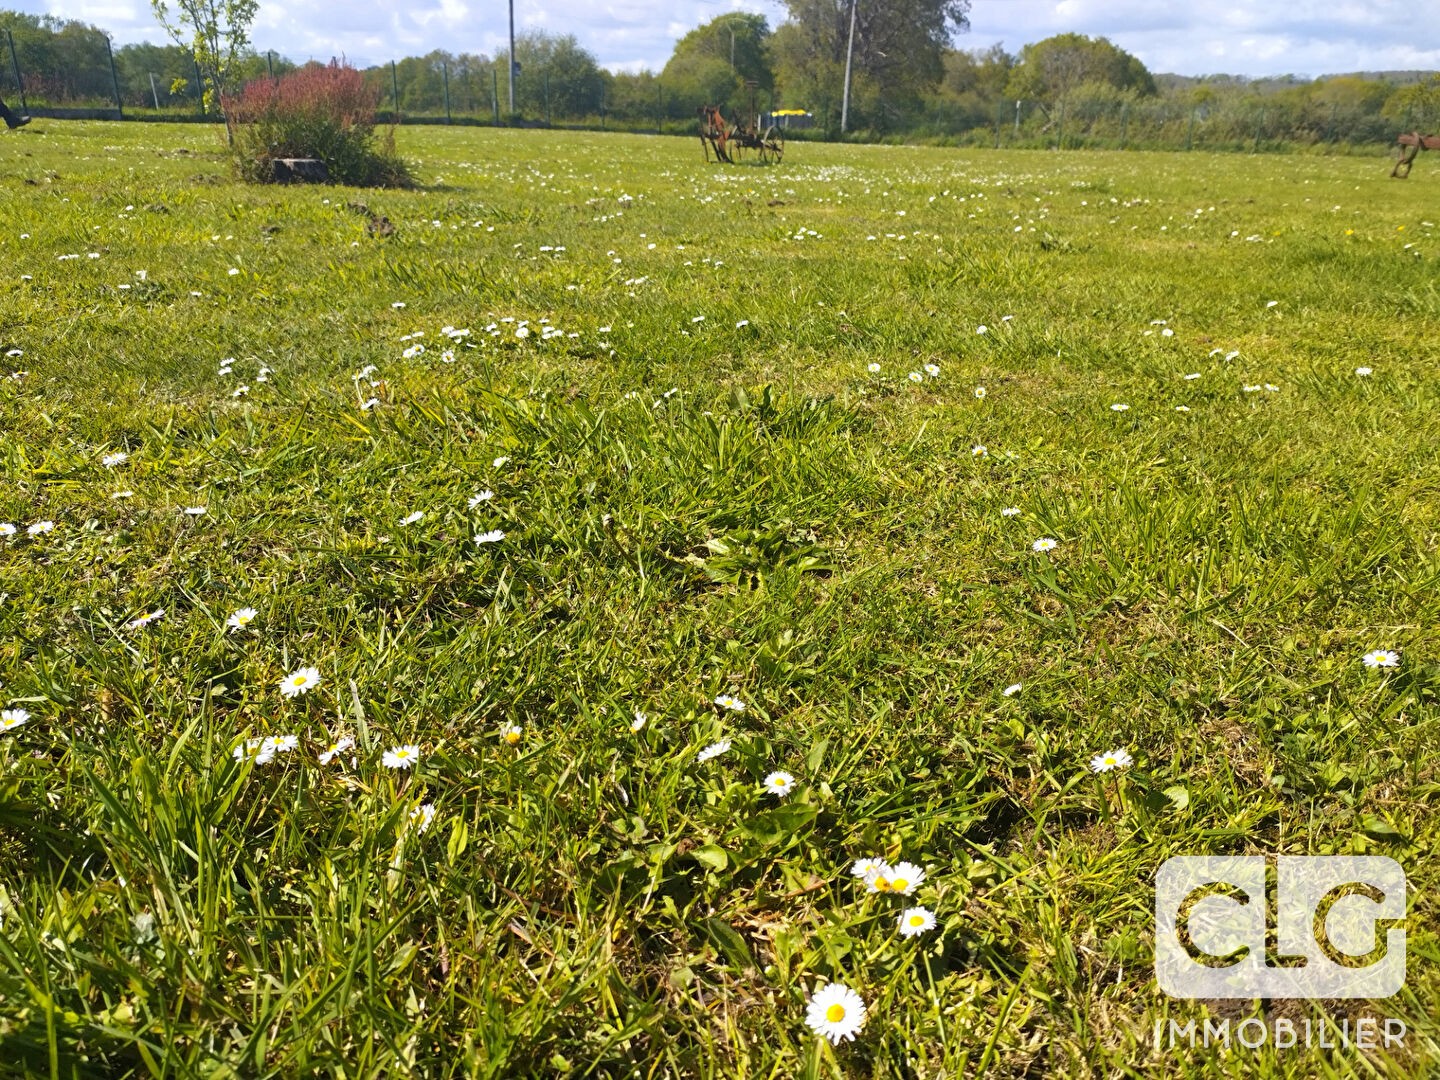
x: 395, y: 90
x: 1017, y: 120
x: 1124, y: 122
x: 114, y: 79
x: 155, y: 94
x: 495, y: 93
x: 15, y: 63
x: 445, y: 81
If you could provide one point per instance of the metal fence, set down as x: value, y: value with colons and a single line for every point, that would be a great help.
x: 75, y: 72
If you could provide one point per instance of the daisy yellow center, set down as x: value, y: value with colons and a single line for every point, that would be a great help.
x: 899, y: 884
x: 778, y: 782
x: 1110, y: 760
x: 882, y: 884
x: 512, y: 737
x: 242, y: 619
x: 835, y: 1013
x: 298, y: 680
x: 917, y: 920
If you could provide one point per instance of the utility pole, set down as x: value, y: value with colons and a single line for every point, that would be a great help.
x: 155, y: 94
x: 845, y: 97
x: 732, y: 50
x: 512, y: 57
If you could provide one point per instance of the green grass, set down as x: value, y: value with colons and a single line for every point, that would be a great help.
x: 786, y: 527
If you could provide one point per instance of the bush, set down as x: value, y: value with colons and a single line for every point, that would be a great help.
x: 320, y: 111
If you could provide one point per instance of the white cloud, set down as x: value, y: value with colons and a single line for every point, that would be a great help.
x: 1232, y: 36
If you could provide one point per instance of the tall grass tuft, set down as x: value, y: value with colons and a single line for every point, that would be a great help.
x: 322, y: 111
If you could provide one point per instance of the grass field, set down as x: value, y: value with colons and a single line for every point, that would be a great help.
x: 703, y: 491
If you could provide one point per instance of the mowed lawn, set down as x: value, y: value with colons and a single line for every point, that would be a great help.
x: 517, y: 861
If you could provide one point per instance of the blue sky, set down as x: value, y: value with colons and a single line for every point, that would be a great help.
x: 1246, y: 37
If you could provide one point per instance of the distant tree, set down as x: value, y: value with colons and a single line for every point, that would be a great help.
x: 1048, y: 70
x: 898, y: 54
x: 217, y: 33
x: 576, y: 83
x: 711, y: 63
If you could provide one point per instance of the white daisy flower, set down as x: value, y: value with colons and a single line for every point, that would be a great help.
x: 1363, y: 371
x: 933, y: 370
x: 1192, y: 376
x: 117, y: 458
x: 369, y: 403
x: 734, y: 704
x: 873, y: 368
x: 1381, y: 658
x: 195, y: 511
x: 10, y: 719
x: 1114, y: 759
x: 401, y: 757
x: 494, y: 536
x: 980, y: 392
x: 1182, y: 408
x: 1013, y: 689
x: 336, y: 748
x: 239, y: 620
x: 510, y: 733
x: 982, y: 329
x: 714, y: 750
x: 1045, y: 543
x: 916, y: 377
x: 254, y: 750
x: 915, y: 921
x: 39, y: 527
x: 122, y: 494
x: 903, y: 878
x: 422, y: 816
x: 299, y: 681
x: 1119, y: 407
x: 836, y: 1012
x: 411, y: 519
x: 7, y: 528
x: 240, y: 391
x: 779, y: 784
x: 979, y: 451
x: 864, y: 867
x: 279, y: 744
x: 1010, y: 511
x: 146, y: 619
x: 639, y: 721
x: 500, y: 461
x: 481, y: 497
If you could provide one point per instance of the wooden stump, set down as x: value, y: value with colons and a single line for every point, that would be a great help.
x: 304, y: 170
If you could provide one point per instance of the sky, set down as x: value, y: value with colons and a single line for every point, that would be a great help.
x: 1239, y: 37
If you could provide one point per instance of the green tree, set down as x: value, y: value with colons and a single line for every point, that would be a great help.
x: 712, y: 63
x: 217, y: 33
x: 1048, y: 70
x: 576, y: 83
x: 898, y: 54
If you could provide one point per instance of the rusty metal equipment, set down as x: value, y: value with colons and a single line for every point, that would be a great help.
x: 1410, y: 144
x: 734, y: 142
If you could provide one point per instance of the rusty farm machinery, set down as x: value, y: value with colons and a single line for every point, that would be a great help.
x: 1410, y: 144
x: 735, y: 142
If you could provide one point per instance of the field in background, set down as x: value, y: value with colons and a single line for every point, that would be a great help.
x: 703, y: 490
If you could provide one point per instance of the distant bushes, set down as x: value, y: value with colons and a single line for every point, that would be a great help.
x: 322, y: 111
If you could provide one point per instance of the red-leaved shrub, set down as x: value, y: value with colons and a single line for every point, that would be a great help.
x: 321, y: 111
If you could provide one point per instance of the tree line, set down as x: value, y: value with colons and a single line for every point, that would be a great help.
x: 908, y: 81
